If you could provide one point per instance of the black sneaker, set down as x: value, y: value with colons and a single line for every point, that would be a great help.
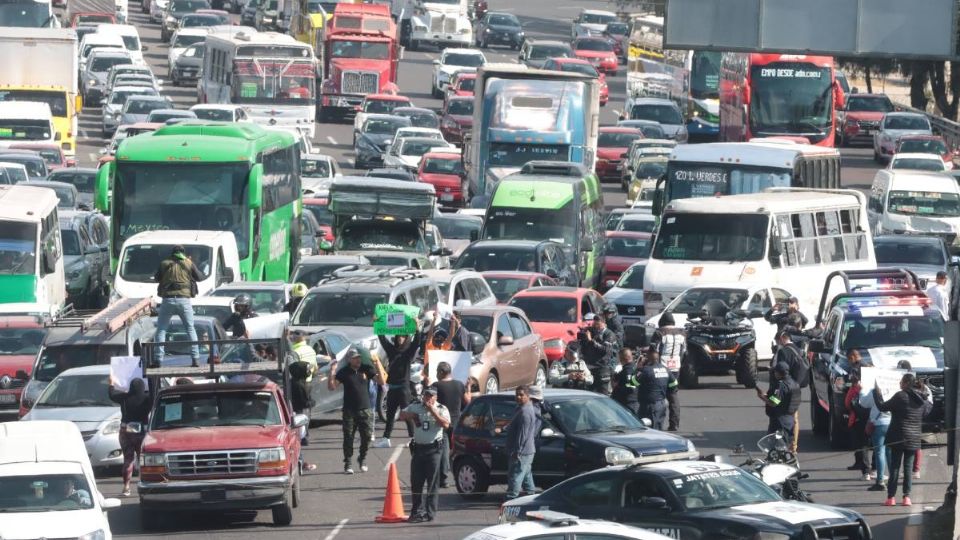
x: 855, y: 467
x: 417, y: 518
x: 877, y: 487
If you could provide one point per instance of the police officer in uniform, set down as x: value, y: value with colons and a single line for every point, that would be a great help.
x: 571, y: 371
x: 781, y: 402
x: 790, y: 355
x: 654, y: 382
x: 786, y: 315
x: 614, y: 322
x: 625, y: 382
x: 599, y: 346
x: 430, y: 419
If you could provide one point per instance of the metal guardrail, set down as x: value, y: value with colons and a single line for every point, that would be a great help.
x: 948, y: 129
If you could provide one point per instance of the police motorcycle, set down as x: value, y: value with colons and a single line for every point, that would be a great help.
x: 779, y: 467
x: 720, y: 339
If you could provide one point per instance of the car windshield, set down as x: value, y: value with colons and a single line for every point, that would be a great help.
x: 418, y: 148
x: 25, y: 129
x: 504, y: 260
x: 160, y: 117
x: 924, y: 203
x: 18, y: 247
x: 618, y: 29
x: 540, y: 52
x: 188, y: 6
x: 190, y: 21
x: 183, y: 41
x: 442, y: 166
x: 139, y: 262
x: 918, y: 164
x: 145, y: 106
x: 593, y: 45
x: 721, y: 488
x: 651, y: 169
x: 504, y: 20
x: 547, y: 309
x: 881, y: 331
x: 21, y: 493
x: 339, y: 308
x: 203, y: 409
x: 632, y: 278
x: 513, y: 223
x: 869, y: 104
x: 467, y: 84
x: 594, y: 414
x: 76, y: 391
x: 597, y: 18
x: 712, y: 237
x: 315, y: 168
x: 424, y: 119
x: 120, y: 96
x: 65, y: 198
x: 56, y: 359
x: 478, y: 324
x: 505, y: 287
x: 616, y: 140
x: 16, y: 174
x: 460, y: 107
x: 217, y: 115
x: 458, y: 228
x: 21, y: 341
x: 634, y: 248
x: 665, y: 114
x: 264, y: 300
x: 465, y: 60
x: 382, y: 126
x: 637, y: 225
x: 71, y: 242
x: 383, y: 106
x: 923, y: 146
x: 906, y: 122
x: 908, y: 253
x: 694, y: 300
x: 102, y: 64
x: 576, y: 67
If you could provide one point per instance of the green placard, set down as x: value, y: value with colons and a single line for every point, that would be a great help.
x: 395, y: 319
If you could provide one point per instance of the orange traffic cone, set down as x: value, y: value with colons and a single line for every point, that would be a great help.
x: 392, y: 502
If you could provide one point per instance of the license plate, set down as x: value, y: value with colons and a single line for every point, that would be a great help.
x: 446, y: 196
x: 870, y: 131
x: 721, y: 356
x: 213, y: 495
x: 8, y: 398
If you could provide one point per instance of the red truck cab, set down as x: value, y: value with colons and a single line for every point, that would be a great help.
x: 20, y: 339
x: 244, y: 456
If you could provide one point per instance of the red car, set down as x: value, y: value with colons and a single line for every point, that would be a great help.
x: 461, y: 85
x: 556, y: 313
x: 50, y: 152
x: 862, y: 115
x: 318, y: 207
x: 599, y: 52
x: 92, y: 17
x: 21, y: 337
x: 456, y: 118
x: 612, y: 143
x: 506, y: 284
x: 584, y: 67
x: 927, y: 144
x: 443, y: 171
x: 622, y: 250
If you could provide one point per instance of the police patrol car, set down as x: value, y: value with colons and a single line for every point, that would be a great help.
x: 690, y: 500
x: 549, y: 525
x: 885, y: 327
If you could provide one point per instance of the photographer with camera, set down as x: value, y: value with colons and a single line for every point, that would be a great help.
x: 571, y: 371
x: 599, y: 346
x: 788, y: 314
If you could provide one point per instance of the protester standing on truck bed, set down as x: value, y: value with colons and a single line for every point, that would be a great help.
x: 177, y: 280
x: 135, y: 407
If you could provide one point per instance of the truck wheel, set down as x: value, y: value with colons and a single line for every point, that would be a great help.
x: 689, y: 378
x: 747, y: 368
x: 150, y: 518
x: 282, y: 513
x: 471, y: 478
x: 295, y: 491
x: 819, y: 416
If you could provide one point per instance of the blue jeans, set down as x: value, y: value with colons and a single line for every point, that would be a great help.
x: 880, y: 452
x: 520, y: 475
x: 182, y: 308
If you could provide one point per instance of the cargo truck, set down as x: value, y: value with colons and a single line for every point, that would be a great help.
x: 40, y: 65
x: 435, y: 22
x: 116, y: 7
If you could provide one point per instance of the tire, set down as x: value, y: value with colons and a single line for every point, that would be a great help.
x: 492, y: 385
x: 818, y: 415
x: 471, y: 478
x: 322, y: 114
x: 282, y: 513
x: 540, y: 378
x: 689, y: 378
x: 150, y: 518
x: 838, y: 432
x: 295, y: 491
x: 747, y: 368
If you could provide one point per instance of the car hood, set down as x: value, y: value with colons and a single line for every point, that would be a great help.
x: 618, y: 264
x: 461, y: 120
x: 449, y: 69
x: 441, y: 180
x: 781, y: 515
x: 644, y: 442
x: 86, y: 418
x: 611, y: 153
x: 377, y: 138
x: 896, y: 133
x: 670, y: 280
x: 548, y: 330
x: 671, y: 130
x: 593, y: 54
x: 627, y: 297
x: 213, y: 438
x: 507, y: 29
x: 869, y: 116
x: 920, y: 358
x: 63, y: 524
x: 9, y: 364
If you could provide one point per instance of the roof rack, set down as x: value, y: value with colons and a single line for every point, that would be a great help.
x: 376, y: 272
x: 907, y: 281
x: 110, y: 319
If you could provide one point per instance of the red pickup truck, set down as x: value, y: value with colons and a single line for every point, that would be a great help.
x: 244, y: 456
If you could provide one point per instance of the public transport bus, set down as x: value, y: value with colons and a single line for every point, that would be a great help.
x: 712, y: 169
x: 790, y: 238
x: 767, y: 95
x: 272, y: 75
x: 31, y: 252
x: 211, y: 176
x: 559, y: 201
x: 690, y: 78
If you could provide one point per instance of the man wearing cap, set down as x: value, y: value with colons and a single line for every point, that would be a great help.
x: 571, y: 371
x: 614, y: 322
x: 355, y: 378
x: 430, y: 419
x: 781, y: 401
x: 788, y: 315
x: 176, y: 284
x: 789, y: 356
x: 940, y: 294
x: 599, y: 347
x: 654, y: 383
x: 521, y: 442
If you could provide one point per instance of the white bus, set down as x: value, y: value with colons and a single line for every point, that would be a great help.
x: 711, y: 169
x: 31, y: 252
x: 783, y: 237
x: 272, y: 75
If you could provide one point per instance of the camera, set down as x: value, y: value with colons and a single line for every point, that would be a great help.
x: 582, y: 333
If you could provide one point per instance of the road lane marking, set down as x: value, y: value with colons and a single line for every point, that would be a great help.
x: 331, y: 140
x: 93, y: 157
x: 336, y: 530
x: 394, y: 457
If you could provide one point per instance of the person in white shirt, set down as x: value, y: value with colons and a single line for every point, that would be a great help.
x: 940, y: 295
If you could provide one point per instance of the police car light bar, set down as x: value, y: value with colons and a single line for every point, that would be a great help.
x: 553, y: 518
x: 887, y: 302
x: 660, y: 458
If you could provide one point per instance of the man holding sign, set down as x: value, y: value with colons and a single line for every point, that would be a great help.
x: 401, y: 342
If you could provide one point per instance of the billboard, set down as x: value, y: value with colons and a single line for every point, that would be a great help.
x: 868, y: 28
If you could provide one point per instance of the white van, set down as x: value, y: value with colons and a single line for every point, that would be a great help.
x: 97, y: 40
x: 31, y: 252
x: 213, y: 252
x: 914, y: 202
x: 26, y: 121
x: 131, y: 39
x: 48, y: 483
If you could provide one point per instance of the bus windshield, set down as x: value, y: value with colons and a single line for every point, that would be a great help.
x: 517, y: 154
x: 18, y: 247
x: 924, y: 203
x: 712, y: 237
x: 25, y: 14
x: 511, y: 223
x: 272, y: 86
x: 790, y: 97
x: 56, y: 100
x: 690, y: 180
x: 705, y: 75
x: 25, y: 130
x: 182, y: 196
x: 371, y: 50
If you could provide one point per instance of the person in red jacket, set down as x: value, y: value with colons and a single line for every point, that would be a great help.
x: 857, y: 427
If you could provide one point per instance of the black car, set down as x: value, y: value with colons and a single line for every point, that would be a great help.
x: 392, y: 172
x: 581, y: 431
x: 374, y: 137
x: 691, y: 500
x: 499, y: 28
x: 546, y: 257
x: 419, y: 117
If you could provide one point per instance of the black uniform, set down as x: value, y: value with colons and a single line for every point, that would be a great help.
x: 796, y: 364
x: 399, y: 395
x: 654, y: 382
x: 235, y: 324
x: 784, y: 319
x: 599, y: 353
x: 783, y: 401
x: 292, y: 305
x: 625, y: 392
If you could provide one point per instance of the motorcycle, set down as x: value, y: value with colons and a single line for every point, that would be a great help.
x: 720, y: 339
x: 778, y: 469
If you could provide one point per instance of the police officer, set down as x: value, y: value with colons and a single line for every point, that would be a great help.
x: 790, y: 356
x: 599, y: 346
x: 670, y: 341
x: 654, y: 382
x: 297, y: 292
x: 781, y: 401
x: 625, y: 382
x: 614, y: 322
x: 786, y: 315
x: 430, y: 418
x: 571, y: 371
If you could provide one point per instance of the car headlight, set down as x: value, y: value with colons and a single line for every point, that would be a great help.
x: 487, y: 31
x: 95, y: 535
x: 615, y: 455
x: 92, y: 81
x: 153, y: 460
x: 111, y: 427
x: 272, y: 458
x: 306, y: 252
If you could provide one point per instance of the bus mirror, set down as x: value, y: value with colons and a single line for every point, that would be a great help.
x: 102, y: 187
x: 228, y: 275
x: 255, y: 186
x: 657, y: 205
x: 746, y: 94
x: 78, y: 103
x: 838, y: 97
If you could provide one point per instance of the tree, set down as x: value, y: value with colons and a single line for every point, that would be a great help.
x: 868, y: 68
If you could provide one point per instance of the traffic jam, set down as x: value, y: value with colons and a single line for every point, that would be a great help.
x: 460, y: 271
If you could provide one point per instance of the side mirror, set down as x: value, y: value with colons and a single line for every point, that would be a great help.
x: 300, y: 420
x: 646, y: 422
x: 817, y: 345
x: 609, y: 283
x: 110, y: 504
x: 49, y: 264
x: 549, y: 433
x: 228, y: 275
x: 477, y: 343
x: 504, y: 341
x: 474, y: 236
x: 653, y: 503
x: 21, y: 375
x: 255, y: 186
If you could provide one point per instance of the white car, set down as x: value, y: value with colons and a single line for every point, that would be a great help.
x: 591, y: 23
x: 220, y: 112
x: 462, y: 287
x: 917, y: 162
x: 754, y: 299
x: 895, y: 125
x: 452, y: 61
x: 181, y: 40
x: 316, y: 173
x: 549, y: 525
x: 660, y: 110
x: 430, y: 133
x: 406, y: 152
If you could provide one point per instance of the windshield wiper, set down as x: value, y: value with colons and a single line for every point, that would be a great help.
x: 617, y: 429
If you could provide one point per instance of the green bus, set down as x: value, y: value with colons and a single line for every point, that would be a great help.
x: 209, y: 176
x: 559, y: 201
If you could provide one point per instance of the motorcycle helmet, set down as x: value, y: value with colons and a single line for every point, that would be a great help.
x: 242, y: 300
x: 299, y: 290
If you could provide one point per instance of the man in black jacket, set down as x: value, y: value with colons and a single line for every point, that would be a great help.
x: 786, y: 315
x: 790, y: 355
x: 401, y: 351
x: 598, y: 346
x: 614, y: 322
x: 907, y: 409
x: 781, y: 402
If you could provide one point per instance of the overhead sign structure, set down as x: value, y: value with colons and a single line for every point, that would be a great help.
x: 867, y: 28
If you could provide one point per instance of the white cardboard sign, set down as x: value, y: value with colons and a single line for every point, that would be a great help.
x: 459, y: 364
